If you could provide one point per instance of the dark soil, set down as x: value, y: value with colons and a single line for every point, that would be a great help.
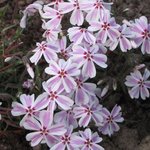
x: 135, y: 131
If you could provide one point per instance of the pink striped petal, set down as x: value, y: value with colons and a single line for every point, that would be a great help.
x: 125, y: 44
x: 77, y: 17
x: 89, y: 69
x: 41, y: 102
x: 64, y: 102
x: 58, y: 146
x: 81, y: 97
x: 57, y: 130
x: 36, y: 57
x: 18, y: 109
x: 84, y: 120
x: 32, y: 124
x: 27, y: 100
x: 134, y: 92
x: 46, y: 118
x: 35, y: 138
x: 100, y: 60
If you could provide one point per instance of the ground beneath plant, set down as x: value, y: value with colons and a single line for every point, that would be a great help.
x: 135, y: 131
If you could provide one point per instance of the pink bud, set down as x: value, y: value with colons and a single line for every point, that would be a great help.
x: 30, y: 70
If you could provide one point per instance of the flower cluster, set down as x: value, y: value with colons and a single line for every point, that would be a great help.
x: 138, y: 84
x: 69, y: 101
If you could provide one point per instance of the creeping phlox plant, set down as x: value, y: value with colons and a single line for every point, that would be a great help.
x: 68, y: 108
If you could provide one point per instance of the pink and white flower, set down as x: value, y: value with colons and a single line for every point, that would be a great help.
x: 66, y: 117
x: 54, y: 15
x: 88, y: 112
x: 96, y: 9
x: 83, y: 90
x: 110, y: 120
x: 56, y: 97
x: 63, y: 73
x: 45, y: 49
x: 43, y: 129
x: 138, y: 84
x: 51, y: 35
x: 122, y: 40
x: 87, y: 140
x: 141, y: 29
x: 106, y: 27
x: 65, y: 141
x: 79, y: 35
x: 86, y: 57
x: 30, y: 11
x: 28, y: 106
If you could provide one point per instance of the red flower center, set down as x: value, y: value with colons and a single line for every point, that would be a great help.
x: 48, y: 32
x: 141, y: 83
x: 88, y: 111
x: 43, y: 47
x: 44, y: 131
x: 79, y: 83
x: 145, y: 34
x: 64, y: 53
x: 30, y: 111
x: 106, y: 26
x: 53, y: 95
x: 109, y: 119
x: 62, y: 73
x: 76, y: 4
x: 87, y: 55
x: 88, y: 143
x: 98, y: 5
x: 66, y: 139
x: 59, y: 15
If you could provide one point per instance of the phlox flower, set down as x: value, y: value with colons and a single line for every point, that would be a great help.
x: 141, y: 29
x: 45, y: 49
x: 87, y: 140
x: 30, y: 11
x: 88, y: 112
x: 78, y: 35
x: 110, y: 120
x: 63, y: 73
x: 54, y: 15
x: 86, y: 57
x: 122, y: 39
x: 56, y: 97
x: 63, y: 50
x: 83, y: 90
x: 44, y: 130
x: 106, y: 27
x: 96, y: 9
x: 66, y: 117
x: 138, y: 84
x: 28, y: 106
x: 51, y: 35
x: 28, y: 84
x: 65, y: 141
x: 77, y: 17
